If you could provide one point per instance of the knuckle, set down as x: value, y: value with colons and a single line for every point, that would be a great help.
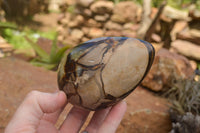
x: 32, y: 94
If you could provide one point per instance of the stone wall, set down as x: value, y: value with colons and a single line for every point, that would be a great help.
x: 87, y: 19
x: 91, y: 19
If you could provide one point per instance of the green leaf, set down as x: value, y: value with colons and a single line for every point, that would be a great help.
x: 16, y: 38
x: 54, y: 47
x: 57, y: 57
x: 44, y: 55
x: 50, y: 34
x: 8, y: 25
x: 43, y: 64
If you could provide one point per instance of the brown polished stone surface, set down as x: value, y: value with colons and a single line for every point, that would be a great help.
x: 103, y: 71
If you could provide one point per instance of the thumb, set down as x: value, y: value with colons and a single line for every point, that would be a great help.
x: 34, y: 106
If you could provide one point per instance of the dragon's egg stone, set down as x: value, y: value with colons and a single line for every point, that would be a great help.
x: 100, y: 72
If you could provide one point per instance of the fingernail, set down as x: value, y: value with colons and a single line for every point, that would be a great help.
x: 56, y: 93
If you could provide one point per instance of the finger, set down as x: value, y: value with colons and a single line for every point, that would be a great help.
x: 74, y: 120
x: 46, y: 127
x: 113, y: 118
x: 50, y: 103
x: 53, y: 117
x: 33, y: 108
x: 97, y: 120
x: 48, y: 121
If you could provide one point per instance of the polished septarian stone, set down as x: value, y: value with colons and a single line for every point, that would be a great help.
x: 103, y: 71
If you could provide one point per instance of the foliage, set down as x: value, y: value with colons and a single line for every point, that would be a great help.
x: 17, y: 38
x: 185, y: 96
x: 49, y: 61
x: 180, y: 4
x: 4, y: 25
x: 198, y: 4
x: 27, y: 39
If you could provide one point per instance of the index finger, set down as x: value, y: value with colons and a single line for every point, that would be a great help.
x: 113, y: 118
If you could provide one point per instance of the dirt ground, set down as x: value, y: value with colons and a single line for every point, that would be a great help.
x: 45, y: 22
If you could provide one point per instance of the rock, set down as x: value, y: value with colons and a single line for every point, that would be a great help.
x: 166, y: 70
x: 95, y: 32
x: 176, y: 14
x: 129, y: 33
x: 156, y: 38
x: 85, y: 30
x: 84, y: 39
x: 113, y: 26
x: 76, y: 33
x: 62, y: 30
x: 102, y: 7
x: 71, y: 40
x: 77, y: 21
x: 70, y: 2
x: 125, y: 59
x: 17, y: 78
x: 187, y: 49
x: 178, y: 28
x: 187, y: 35
x: 195, y: 33
x: 131, y: 26
x: 145, y: 113
x: 60, y: 38
x: 101, y: 18
x: 127, y: 25
x: 87, y: 12
x: 124, y: 12
x: 194, y: 14
x: 5, y: 48
x: 85, y: 3
x: 65, y: 19
x: 54, y: 4
x: 63, y: 8
x: 92, y: 23
x: 113, y: 33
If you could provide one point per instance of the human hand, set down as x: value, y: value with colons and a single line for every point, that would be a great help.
x: 40, y: 111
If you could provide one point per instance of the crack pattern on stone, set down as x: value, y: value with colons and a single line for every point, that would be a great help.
x: 75, y: 69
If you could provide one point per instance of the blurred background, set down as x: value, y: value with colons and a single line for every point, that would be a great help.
x: 35, y: 34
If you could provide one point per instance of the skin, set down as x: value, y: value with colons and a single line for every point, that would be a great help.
x: 39, y: 112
